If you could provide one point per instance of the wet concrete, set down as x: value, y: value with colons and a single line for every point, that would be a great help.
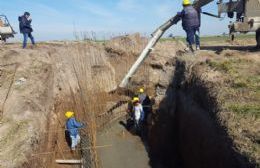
x: 127, y: 150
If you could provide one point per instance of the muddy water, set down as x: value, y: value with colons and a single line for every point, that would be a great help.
x: 126, y: 150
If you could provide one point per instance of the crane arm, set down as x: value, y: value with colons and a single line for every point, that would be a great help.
x: 153, y: 41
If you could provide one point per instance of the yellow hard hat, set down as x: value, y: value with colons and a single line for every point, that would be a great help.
x: 186, y: 2
x: 141, y: 90
x: 135, y: 99
x: 69, y: 114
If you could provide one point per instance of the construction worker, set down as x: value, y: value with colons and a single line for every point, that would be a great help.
x: 138, y: 113
x: 141, y: 95
x: 26, y: 28
x: 146, y: 103
x: 191, y: 24
x: 72, y: 127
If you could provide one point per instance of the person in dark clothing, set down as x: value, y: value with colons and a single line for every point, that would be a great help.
x: 191, y: 24
x: 146, y: 103
x: 26, y: 28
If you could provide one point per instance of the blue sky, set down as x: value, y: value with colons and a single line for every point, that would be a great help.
x: 58, y: 19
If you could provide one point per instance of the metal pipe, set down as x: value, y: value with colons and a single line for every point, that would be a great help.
x: 155, y: 38
x: 142, y: 57
x: 210, y: 14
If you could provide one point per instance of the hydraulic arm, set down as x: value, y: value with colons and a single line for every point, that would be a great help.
x: 153, y: 41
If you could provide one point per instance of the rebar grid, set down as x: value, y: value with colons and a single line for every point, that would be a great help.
x: 91, y: 102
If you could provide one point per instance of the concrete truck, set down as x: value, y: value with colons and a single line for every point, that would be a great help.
x: 247, y: 16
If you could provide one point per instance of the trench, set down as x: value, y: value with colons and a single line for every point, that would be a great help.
x: 187, y: 132
x: 183, y: 132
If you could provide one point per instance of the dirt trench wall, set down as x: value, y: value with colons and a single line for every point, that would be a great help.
x: 188, y: 131
x: 28, y: 102
x: 30, y: 122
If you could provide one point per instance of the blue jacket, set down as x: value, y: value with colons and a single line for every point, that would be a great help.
x: 190, y: 17
x: 72, y: 126
x: 25, y: 25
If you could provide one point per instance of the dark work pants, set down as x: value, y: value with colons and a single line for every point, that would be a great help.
x: 25, y: 38
x: 193, y: 35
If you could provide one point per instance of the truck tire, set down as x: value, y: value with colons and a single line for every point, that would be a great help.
x: 258, y: 39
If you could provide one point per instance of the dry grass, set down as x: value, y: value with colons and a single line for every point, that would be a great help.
x: 240, y: 97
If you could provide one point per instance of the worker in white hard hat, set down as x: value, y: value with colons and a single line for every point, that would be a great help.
x: 72, y: 127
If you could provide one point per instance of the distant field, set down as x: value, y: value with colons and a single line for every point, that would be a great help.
x: 219, y: 38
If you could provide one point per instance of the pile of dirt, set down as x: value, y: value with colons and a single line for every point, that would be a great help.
x: 128, y: 43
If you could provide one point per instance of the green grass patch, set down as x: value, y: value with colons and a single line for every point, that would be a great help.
x: 237, y: 84
x: 224, y: 66
x: 250, y: 82
x: 245, y: 109
x: 217, y: 38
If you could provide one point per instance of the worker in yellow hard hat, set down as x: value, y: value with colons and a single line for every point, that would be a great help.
x: 72, y: 127
x: 141, y: 90
x: 138, y: 114
x: 141, y: 95
x: 69, y: 114
x: 130, y: 113
x: 146, y: 103
x: 191, y: 25
x: 135, y: 99
x: 186, y: 2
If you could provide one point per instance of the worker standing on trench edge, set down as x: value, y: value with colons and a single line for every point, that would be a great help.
x: 191, y: 24
x: 26, y: 28
x: 138, y: 114
x: 72, y: 127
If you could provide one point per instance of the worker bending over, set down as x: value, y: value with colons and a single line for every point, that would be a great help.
x: 191, y: 24
x: 138, y: 114
x: 72, y: 127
